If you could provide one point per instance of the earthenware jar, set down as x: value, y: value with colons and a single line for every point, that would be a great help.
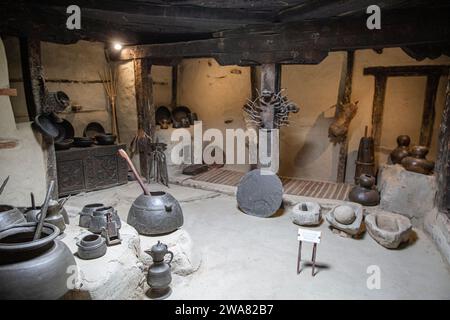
x: 37, y: 269
x: 91, y: 246
x: 159, y: 274
x: 365, y: 193
x: 158, y: 213
x: 417, y: 161
x: 9, y: 216
x: 86, y: 214
x: 99, y: 219
x: 402, y: 149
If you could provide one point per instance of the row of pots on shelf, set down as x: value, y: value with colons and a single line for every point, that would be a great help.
x: 84, y: 142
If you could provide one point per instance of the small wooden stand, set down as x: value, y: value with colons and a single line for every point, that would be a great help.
x: 308, y: 236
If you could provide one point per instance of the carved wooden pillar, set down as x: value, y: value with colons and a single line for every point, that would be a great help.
x: 145, y: 107
x: 443, y: 158
x: 174, y: 85
x: 30, y: 50
x: 270, y: 80
x: 344, y: 99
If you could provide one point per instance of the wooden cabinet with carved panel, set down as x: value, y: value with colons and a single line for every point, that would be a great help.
x: 87, y: 169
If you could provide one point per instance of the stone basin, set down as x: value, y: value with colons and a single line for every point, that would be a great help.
x: 388, y: 229
x: 352, y: 228
x: 309, y: 217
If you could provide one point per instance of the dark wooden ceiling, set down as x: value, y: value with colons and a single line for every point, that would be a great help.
x: 162, y: 21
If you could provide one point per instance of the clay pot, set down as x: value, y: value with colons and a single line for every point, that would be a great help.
x: 105, y: 139
x: 417, y: 161
x: 402, y: 149
x: 9, y: 216
x: 99, y: 221
x: 33, y: 269
x: 156, y: 214
x: 365, y: 193
x: 86, y: 214
x: 91, y: 246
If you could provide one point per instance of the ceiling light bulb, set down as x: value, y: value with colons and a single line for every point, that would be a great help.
x: 117, y: 46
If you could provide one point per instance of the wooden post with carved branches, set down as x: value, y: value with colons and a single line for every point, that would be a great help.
x: 145, y: 110
x: 347, y: 92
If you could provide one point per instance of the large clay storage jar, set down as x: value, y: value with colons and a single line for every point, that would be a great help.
x: 417, y: 161
x: 9, y: 216
x: 402, y: 149
x: 365, y: 193
x: 37, y: 269
x: 158, y: 213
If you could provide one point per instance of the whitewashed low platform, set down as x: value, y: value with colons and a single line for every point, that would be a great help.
x: 116, y: 275
x: 121, y: 272
x: 186, y: 259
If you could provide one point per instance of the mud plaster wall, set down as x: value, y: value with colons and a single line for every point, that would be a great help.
x: 25, y: 164
x: 403, y: 106
x: 215, y: 94
x: 126, y: 110
x: 80, y: 63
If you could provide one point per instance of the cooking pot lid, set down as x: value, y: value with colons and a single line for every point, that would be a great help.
x: 44, y: 123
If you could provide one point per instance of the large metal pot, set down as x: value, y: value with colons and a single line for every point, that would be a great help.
x: 34, y: 269
x: 156, y: 214
x: 9, y: 216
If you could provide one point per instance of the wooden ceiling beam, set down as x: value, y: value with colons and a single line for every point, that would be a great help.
x: 297, y: 43
x: 325, y: 8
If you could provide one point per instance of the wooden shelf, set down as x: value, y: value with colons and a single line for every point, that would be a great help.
x: 8, y: 92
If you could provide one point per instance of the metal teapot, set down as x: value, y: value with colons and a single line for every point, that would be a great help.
x: 159, y: 274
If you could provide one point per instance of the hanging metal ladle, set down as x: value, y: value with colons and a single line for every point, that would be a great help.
x: 124, y: 155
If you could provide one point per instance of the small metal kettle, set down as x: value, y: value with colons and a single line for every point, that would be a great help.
x: 159, y: 274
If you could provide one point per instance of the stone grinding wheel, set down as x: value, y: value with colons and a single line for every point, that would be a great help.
x: 259, y: 194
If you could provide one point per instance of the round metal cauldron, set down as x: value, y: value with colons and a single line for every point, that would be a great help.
x: 33, y: 269
x: 156, y: 214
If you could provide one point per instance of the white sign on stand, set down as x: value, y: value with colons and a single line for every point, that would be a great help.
x: 308, y: 236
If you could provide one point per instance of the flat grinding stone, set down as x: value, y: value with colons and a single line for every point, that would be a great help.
x: 259, y: 194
